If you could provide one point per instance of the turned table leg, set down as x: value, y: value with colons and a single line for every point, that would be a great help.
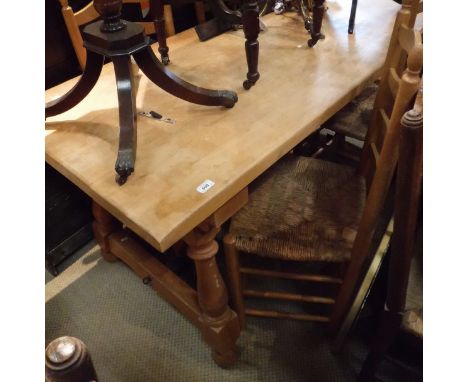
x: 221, y: 326
x: 104, y: 224
x: 318, y: 10
x: 160, y: 24
x: 251, y: 25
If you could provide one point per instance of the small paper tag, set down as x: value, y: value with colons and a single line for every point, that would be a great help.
x: 205, y: 186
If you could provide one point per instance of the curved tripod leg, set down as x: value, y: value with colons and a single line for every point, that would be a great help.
x: 169, y: 82
x: 125, y: 163
x: 157, y: 6
x: 81, y: 89
x: 251, y: 24
x: 318, y: 10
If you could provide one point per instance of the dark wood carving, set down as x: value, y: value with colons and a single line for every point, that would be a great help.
x: 119, y: 39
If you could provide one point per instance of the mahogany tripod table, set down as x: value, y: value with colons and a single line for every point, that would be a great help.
x: 119, y: 40
x: 169, y: 199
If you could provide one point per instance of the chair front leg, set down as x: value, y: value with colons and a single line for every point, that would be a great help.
x: 234, y: 278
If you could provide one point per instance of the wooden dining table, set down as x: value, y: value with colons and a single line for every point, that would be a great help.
x: 192, y: 176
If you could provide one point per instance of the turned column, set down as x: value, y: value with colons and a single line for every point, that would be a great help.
x: 251, y: 25
x: 157, y: 8
x: 104, y: 224
x: 221, y: 328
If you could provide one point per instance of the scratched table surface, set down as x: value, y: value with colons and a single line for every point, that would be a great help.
x: 299, y: 89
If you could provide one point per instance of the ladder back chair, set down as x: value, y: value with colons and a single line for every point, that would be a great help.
x: 353, y: 120
x: 403, y: 305
x: 309, y: 210
x: 74, y: 20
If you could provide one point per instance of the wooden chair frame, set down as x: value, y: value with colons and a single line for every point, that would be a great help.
x: 382, y: 165
x: 377, y: 165
x: 409, y: 179
x: 406, y: 16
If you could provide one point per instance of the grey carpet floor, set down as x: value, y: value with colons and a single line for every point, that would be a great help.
x: 133, y: 335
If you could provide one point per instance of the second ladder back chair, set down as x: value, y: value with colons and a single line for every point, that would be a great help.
x: 403, y: 306
x: 353, y: 120
x: 310, y: 210
x: 74, y: 20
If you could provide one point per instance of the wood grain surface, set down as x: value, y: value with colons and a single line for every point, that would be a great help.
x: 300, y: 89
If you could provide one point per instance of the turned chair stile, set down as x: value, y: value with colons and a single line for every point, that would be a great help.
x: 378, y: 165
x: 74, y: 20
x: 311, y: 210
x: 397, y: 311
x: 353, y: 120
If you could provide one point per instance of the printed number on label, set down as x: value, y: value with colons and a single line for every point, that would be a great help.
x: 205, y: 186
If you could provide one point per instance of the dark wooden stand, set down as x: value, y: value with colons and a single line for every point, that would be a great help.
x: 226, y: 19
x: 119, y: 39
x: 207, y: 307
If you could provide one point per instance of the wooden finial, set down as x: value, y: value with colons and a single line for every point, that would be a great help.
x: 67, y: 360
x: 110, y: 11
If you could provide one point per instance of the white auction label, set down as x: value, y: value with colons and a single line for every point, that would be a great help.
x: 205, y: 186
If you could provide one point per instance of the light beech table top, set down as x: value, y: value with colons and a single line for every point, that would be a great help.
x: 299, y: 89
